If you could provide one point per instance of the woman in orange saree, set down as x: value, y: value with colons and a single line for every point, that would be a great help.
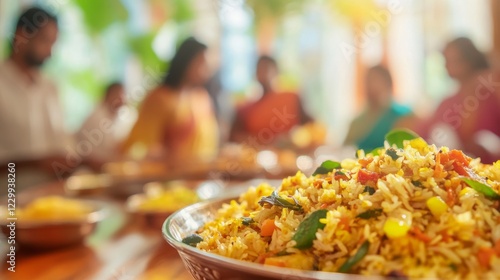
x: 176, y: 119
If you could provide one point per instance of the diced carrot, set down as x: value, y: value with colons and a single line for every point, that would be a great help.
x: 484, y: 256
x: 365, y: 176
x: 418, y: 234
x: 445, y: 236
x: 267, y: 228
x: 451, y: 197
x: 497, y: 248
x: 344, y: 223
x: 262, y: 257
x: 340, y: 175
x: 460, y: 169
x: 439, y: 168
x: 459, y: 157
x: 365, y: 161
x: 444, y: 158
x: 318, y: 184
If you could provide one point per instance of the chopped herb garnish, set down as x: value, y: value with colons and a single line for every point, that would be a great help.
x: 326, y: 167
x: 369, y: 190
x: 352, y: 261
x: 276, y: 200
x: 192, y: 239
x: 372, y: 213
x: 453, y: 267
x: 417, y: 183
x: 392, y: 153
x: 247, y: 221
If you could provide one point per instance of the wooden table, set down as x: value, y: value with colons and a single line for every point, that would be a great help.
x: 118, y: 249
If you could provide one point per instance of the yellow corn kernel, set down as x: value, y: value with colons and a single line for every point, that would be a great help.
x: 419, y: 144
x: 467, y: 192
x: 425, y: 172
x: 395, y: 228
x: 437, y: 206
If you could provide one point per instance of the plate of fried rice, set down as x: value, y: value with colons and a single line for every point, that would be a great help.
x: 407, y: 210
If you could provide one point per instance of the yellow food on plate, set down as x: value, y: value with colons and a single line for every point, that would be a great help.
x: 407, y: 209
x: 168, y: 200
x: 50, y: 208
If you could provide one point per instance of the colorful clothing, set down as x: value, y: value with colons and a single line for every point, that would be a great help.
x: 182, y: 125
x: 375, y: 137
x: 274, y: 113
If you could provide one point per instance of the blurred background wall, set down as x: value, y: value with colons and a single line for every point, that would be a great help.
x: 322, y: 46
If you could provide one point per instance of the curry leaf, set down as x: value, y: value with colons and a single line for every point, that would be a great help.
x: 246, y: 221
x: 192, y: 240
x: 392, y: 153
x: 306, y: 232
x: 398, y: 136
x: 369, y: 190
x: 360, y: 254
x: 276, y: 200
x: 326, y: 166
x: 372, y: 213
x: 417, y: 184
x: 482, y: 188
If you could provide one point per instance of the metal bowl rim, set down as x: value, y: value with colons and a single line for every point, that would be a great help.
x: 244, y: 266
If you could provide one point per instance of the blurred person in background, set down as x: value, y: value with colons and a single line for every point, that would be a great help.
x: 31, y: 116
x: 105, y: 127
x: 274, y: 114
x: 470, y: 118
x: 176, y: 120
x: 381, y: 114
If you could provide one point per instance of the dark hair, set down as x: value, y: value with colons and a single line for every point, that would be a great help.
x: 110, y: 87
x: 30, y: 21
x: 34, y: 18
x: 185, y: 54
x: 475, y: 58
x: 383, y: 72
x: 267, y: 58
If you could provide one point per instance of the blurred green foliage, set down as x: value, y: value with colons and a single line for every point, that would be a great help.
x: 276, y: 9
x: 181, y: 10
x: 141, y: 46
x: 98, y: 15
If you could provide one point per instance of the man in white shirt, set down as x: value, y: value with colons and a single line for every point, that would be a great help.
x: 31, y: 118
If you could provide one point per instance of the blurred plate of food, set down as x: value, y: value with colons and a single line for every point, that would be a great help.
x: 159, y: 200
x: 52, y: 221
